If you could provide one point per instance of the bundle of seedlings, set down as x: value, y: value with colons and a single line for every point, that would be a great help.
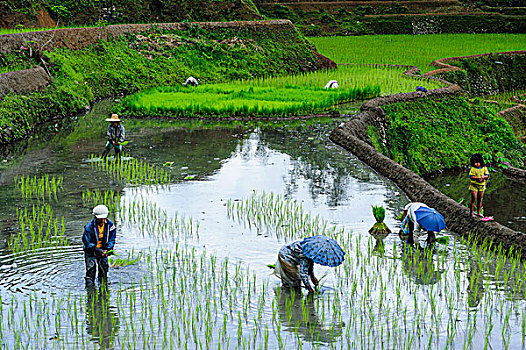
x: 379, y: 229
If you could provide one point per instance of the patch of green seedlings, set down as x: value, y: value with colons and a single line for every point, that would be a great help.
x: 42, y: 187
x: 117, y: 262
x: 235, y: 100
x: 272, y: 214
x: 38, y: 229
x: 109, y: 198
x: 145, y: 217
x: 132, y: 171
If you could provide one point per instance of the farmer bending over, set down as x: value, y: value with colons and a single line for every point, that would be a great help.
x: 296, y: 260
x: 115, y: 136
x: 98, y: 238
x: 418, y: 215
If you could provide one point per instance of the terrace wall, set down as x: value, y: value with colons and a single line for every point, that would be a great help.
x: 78, y: 38
x: 353, y: 137
x: 27, y: 80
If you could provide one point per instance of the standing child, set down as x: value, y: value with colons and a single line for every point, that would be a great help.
x: 478, y: 175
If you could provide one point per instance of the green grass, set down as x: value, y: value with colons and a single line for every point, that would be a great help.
x: 416, y: 50
x: 430, y: 135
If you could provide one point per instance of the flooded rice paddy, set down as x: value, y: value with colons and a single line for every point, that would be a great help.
x: 201, y: 215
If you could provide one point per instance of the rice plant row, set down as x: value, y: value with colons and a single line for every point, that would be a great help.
x: 38, y: 229
x: 132, y: 171
x: 109, y: 198
x: 276, y: 215
x: 42, y: 187
x: 149, y: 220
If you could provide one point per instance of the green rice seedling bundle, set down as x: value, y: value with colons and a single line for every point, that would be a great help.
x: 38, y: 229
x: 415, y: 50
x: 39, y: 187
x: 132, y: 171
x: 379, y: 228
x: 236, y: 100
x: 109, y: 198
x: 273, y: 214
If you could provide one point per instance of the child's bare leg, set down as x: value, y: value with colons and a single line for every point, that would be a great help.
x: 473, y: 200
x: 480, y: 194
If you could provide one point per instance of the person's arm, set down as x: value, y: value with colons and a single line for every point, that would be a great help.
x: 304, y: 273
x: 108, y: 133
x: 312, y: 277
x: 112, y: 234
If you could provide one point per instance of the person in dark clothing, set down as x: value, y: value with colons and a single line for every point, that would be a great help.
x: 116, y: 135
x: 98, y: 239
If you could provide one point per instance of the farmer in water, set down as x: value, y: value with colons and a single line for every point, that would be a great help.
x: 296, y: 260
x: 98, y: 238
x: 418, y: 215
x: 116, y: 135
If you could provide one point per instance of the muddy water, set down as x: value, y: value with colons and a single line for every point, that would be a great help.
x: 381, y: 287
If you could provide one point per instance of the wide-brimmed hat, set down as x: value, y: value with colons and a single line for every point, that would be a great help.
x: 114, y: 118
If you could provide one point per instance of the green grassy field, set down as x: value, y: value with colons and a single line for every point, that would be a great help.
x: 416, y: 50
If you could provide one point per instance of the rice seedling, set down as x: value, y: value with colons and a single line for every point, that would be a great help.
x: 38, y: 229
x: 379, y: 228
x: 109, y: 198
x: 132, y: 171
x: 42, y: 187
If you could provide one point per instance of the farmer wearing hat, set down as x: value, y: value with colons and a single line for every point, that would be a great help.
x: 98, y: 239
x: 115, y: 135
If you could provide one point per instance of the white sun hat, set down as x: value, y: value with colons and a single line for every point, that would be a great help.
x: 101, y: 211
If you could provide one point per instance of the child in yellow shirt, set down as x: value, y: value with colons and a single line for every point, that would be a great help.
x: 478, y: 175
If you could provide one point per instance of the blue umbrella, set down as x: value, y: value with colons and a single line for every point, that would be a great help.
x: 323, y: 250
x: 430, y: 219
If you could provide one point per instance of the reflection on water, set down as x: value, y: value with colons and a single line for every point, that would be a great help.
x: 299, y: 315
x: 102, y: 320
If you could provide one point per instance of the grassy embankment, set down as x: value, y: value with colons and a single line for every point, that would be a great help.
x: 131, y: 63
x: 429, y: 135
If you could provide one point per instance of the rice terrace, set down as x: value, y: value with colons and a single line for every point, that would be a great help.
x: 262, y: 175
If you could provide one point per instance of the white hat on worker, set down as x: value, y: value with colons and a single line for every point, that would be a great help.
x: 101, y: 211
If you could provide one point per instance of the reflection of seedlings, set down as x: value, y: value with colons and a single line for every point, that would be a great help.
x: 33, y: 187
x: 284, y: 217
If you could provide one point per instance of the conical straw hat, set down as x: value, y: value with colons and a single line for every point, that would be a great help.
x: 114, y: 118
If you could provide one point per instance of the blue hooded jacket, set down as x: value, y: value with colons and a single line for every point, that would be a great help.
x: 91, y: 236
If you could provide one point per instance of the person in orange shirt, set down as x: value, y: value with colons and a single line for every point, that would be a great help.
x: 98, y: 239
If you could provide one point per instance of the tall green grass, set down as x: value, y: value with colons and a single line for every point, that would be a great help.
x: 415, y: 50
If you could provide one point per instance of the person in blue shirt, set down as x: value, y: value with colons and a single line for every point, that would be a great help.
x: 294, y: 268
x: 116, y: 135
x: 98, y: 239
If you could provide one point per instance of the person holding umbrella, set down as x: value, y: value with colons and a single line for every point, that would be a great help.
x: 418, y: 215
x: 296, y: 260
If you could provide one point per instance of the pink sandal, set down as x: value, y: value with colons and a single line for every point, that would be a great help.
x: 487, y: 218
